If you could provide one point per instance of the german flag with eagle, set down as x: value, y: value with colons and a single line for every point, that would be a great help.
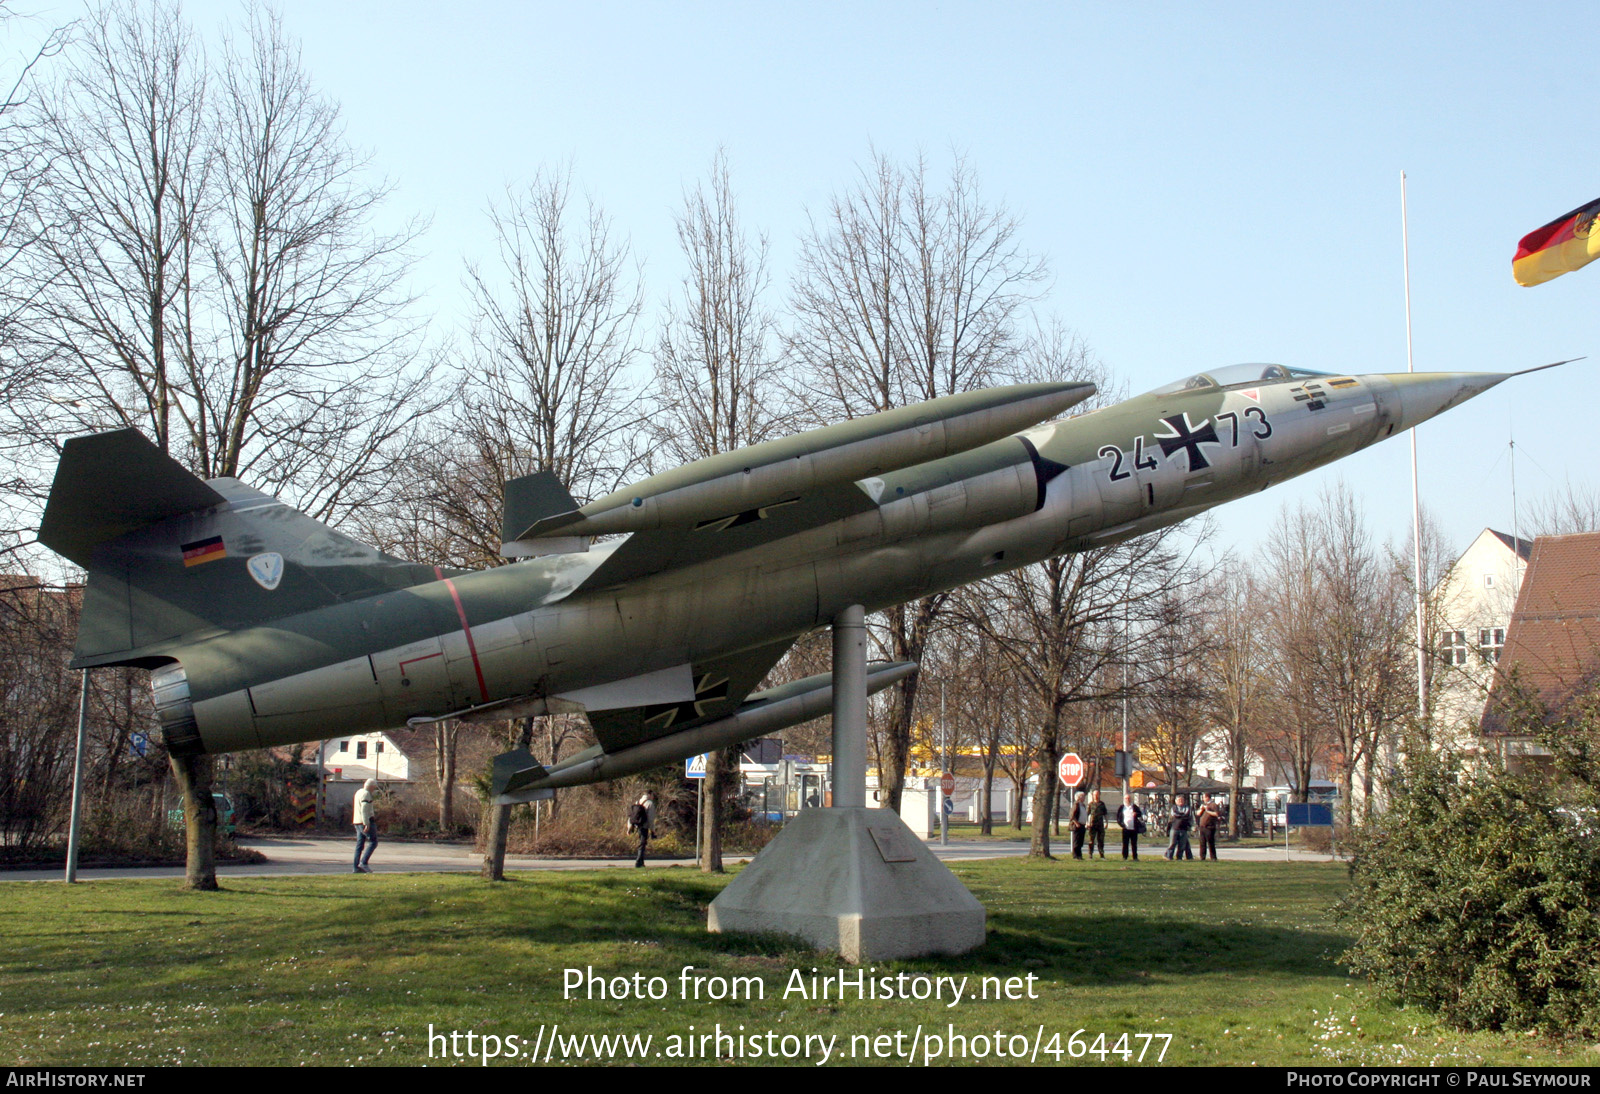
x: 1567, y: 243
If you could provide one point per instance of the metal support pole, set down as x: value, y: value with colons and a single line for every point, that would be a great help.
x: 76, y: 823
x: 1416, y: 493
x: 850, y: 708
x: 946, y: 765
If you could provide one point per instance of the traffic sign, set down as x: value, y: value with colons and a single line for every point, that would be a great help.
x: 947, y: 783
x: 1070, y: 770
x: 695, y: 766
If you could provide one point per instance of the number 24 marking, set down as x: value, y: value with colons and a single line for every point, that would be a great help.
x: 1262, y: 430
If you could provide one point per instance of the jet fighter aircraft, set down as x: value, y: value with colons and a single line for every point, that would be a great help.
x: 264, y: 627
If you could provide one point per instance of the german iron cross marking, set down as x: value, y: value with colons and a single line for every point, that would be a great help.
x: 1188, y: 437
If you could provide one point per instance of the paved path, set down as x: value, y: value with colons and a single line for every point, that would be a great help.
x: 322, y: 855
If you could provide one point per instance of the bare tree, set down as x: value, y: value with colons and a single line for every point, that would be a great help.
x: 553, y: 338
x: 204, y: 271
x: 903, y: 293
x: 1361, y: 661
x: 1065, y: 625
x: 1297, y: 730
x: 716, y: 366
x: 1438, y: 582
x: 1174, y: 698
x: 23, y: 363
x: 1337, y: 627
x: 119, y: 212
x: 1232, y: 672
x: 316, y: 377
x: 1573, y: 508
x: 715, y: 378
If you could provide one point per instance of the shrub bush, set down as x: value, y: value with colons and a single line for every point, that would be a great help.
x: 1475, y: 897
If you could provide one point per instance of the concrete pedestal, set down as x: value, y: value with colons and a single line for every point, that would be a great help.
x: 854, y: 881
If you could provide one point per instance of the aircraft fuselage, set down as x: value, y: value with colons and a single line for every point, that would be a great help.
x: 534, y: 636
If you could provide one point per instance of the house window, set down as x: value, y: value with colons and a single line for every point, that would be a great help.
x: 344, y: 746
x: 1453, y: 648
x: 1488, y: 581
x: 380, y: 746
x: 1491, y: 642
x: 361, y: 750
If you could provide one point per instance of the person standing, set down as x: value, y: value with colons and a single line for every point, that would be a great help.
x: 1209, y: 817
x: 1078, y: 821
x: 642, y: 822
x: 1178, y: 829
x: 1131, y: 818
x: 366, y: 826
x: 1097, y: 825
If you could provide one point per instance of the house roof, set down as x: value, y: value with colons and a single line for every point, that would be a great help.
x: 1553, y: 642
x: 1523, y: 547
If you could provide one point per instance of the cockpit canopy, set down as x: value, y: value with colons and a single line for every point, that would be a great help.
x: 1236, y: 374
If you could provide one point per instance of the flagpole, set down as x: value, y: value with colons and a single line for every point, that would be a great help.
x: 1416, y: 496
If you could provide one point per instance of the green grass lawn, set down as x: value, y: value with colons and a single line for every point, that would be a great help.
x: 1221, y: 963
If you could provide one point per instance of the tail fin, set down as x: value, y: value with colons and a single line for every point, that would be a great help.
x: 171, y: 557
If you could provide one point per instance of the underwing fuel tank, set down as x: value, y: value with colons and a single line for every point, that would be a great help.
x: 518, y: 777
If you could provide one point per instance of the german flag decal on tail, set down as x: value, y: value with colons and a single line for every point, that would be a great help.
x: 204, y: 550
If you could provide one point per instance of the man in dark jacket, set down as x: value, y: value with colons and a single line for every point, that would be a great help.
x: 1208, y: 817
x: 1178, y: 827
x: 642, y: 822
x: 1097, y: 825
x: 1078, y: 821
x: 1131, y: 818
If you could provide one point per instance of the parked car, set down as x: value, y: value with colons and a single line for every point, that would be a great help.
x: 1583, y: 820
x: 224, y: 814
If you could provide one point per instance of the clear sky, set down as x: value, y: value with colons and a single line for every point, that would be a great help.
x: 1211, y: 183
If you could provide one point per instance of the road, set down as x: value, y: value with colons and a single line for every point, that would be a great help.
x: 320, y: 855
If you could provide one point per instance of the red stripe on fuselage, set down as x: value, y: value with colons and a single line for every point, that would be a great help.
x: 466, y: 629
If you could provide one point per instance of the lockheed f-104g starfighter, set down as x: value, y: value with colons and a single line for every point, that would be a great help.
x: 263, y: 627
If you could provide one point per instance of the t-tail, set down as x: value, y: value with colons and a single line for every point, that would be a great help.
x: 172, y: 559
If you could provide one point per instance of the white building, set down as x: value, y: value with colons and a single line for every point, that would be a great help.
x: 1472, y: 612
x: 363, y: 756
x: 1211, y: 761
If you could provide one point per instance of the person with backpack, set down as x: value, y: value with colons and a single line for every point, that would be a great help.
x: 642, y: 822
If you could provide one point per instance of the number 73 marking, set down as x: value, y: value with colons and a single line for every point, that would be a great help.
x: 1255, y: 420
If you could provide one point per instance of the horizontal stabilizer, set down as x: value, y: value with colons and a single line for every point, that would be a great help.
x: 533, y: 499
x: 514, y: 770
x: 110, y: 484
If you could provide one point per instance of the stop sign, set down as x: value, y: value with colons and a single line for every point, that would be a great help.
x: 1070, y: 769
x: 947, y: 783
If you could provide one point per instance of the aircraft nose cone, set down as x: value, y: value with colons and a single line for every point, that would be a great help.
x: 1421, y: 395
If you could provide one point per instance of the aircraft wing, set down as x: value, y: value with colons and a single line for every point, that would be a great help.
x: 650, y: 552
x: 720, y: 685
